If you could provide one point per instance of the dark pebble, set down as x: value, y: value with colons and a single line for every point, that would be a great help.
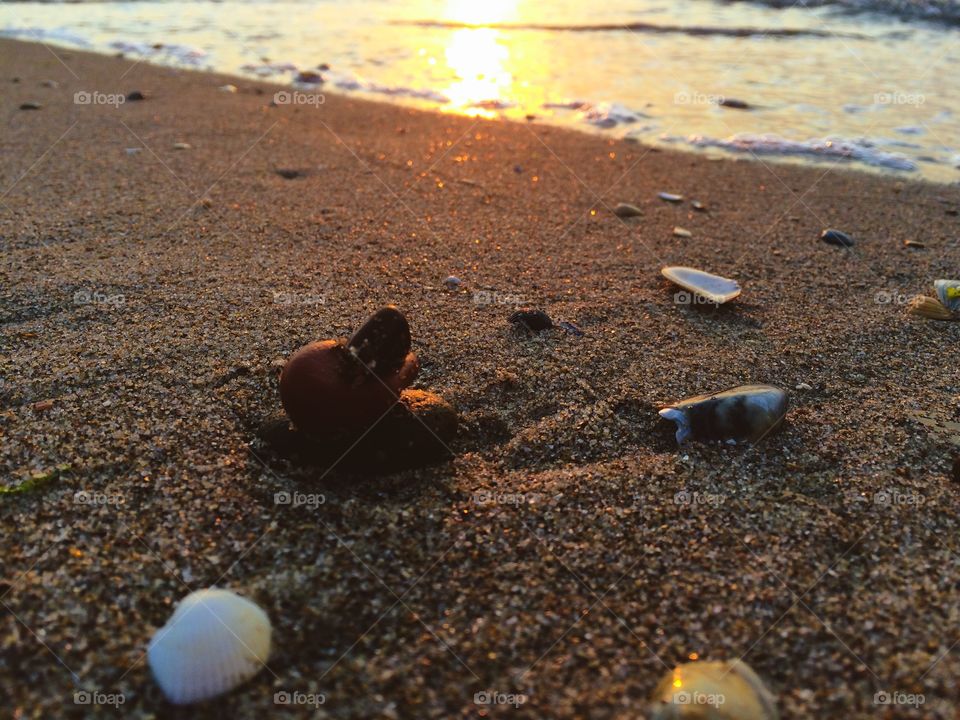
x: 309, y: 77
x: 383, y: 341
x: 625, y: 210
x: 956, y: 468
x: 415, y: 433
x: 30, y: 106
x: 135, y: 95
x: 517, y: 169
x: 735, y: 104
x: 836, y: 237
x: 532, y: 320
x: 291, y: 173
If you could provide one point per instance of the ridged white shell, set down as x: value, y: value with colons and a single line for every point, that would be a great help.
x: 214, y: 641
x: 712, y: 287
x: 713, y: 691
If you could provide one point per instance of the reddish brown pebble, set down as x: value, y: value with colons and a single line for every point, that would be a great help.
x: 330, y: 386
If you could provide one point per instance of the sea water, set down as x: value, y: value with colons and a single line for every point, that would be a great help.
x: 861, y: 83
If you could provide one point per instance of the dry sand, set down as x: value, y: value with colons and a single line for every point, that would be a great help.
x: 141, y: 335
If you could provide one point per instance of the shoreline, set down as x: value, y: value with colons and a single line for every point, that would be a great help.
x: 809, y: 153
x: 570, y: 552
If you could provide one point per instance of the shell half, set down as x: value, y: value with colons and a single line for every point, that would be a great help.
x: 714, y: 288
x: 928, y: 307
x: 214, y: 641
x: 748, y: 412
x: 713, y: 691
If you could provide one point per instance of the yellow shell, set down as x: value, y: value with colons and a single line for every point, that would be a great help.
x: 928, y: 307
x: 712, y: 691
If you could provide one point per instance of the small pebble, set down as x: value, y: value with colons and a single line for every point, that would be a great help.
x: 697, y: 205
x: 670, y: 197
x: 132, y: 151
x: 836, y: 237
x: 135, y: 95
x: 735, y: 104
x: 532, y: 320
x: 452, y: 282
x: 309, y: 77
x: 914, y: 244
x: 30, y: 106
x: 803, y: 386
x: 682, y: 232
x: 290, y: 173
x: 323, y: 67
x: 228, y: 88
x: 181, y: 146
x: 49, y: 84
x: 625, y: 210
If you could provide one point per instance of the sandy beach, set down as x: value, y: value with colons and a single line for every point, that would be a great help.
x: 157, y: 269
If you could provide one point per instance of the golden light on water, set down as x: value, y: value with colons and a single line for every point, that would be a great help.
x: 478, y: 57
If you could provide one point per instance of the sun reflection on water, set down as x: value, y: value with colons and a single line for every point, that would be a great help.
x: 478, y: 57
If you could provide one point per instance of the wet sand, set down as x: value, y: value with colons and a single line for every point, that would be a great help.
x: 570, y: 552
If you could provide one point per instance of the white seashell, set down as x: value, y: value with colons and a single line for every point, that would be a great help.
x: 214, y: 641
x: 712, y: 287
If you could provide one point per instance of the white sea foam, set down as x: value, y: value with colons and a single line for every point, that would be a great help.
x: 602, y: 115
x: 355, y: 83
x: 177, y: 54
x: 862, y: 150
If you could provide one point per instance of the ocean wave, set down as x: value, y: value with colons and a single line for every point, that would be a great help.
x: 861, y: 150
x: 641, y: 27
x: 942, y: 11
